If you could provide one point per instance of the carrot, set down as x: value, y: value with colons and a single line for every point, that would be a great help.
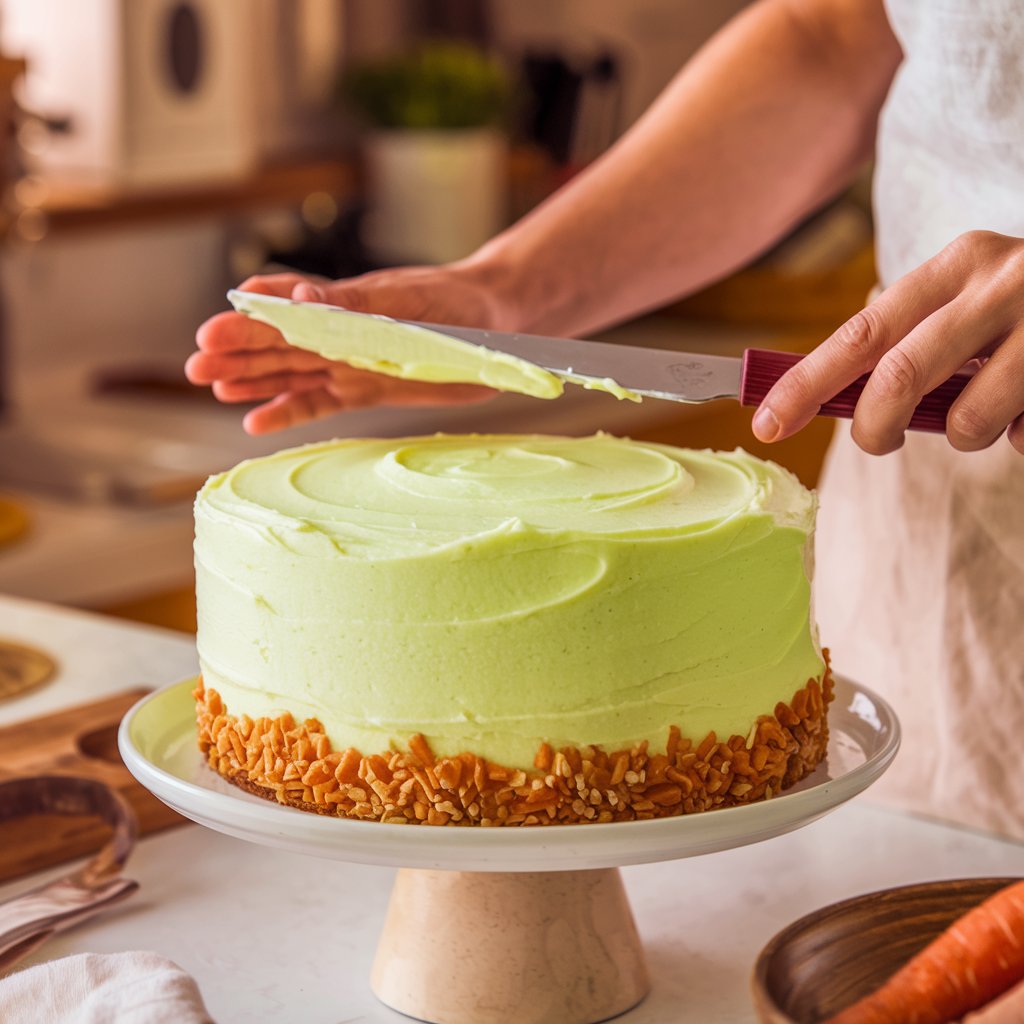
x: 977, y: 958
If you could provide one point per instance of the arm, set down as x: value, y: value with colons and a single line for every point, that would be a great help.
x: 771, y: 118
x: 768, y: 121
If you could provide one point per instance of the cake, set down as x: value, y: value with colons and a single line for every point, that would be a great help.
x: 508, y: 630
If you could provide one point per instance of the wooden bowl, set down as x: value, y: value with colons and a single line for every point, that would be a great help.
x: 829, y: 959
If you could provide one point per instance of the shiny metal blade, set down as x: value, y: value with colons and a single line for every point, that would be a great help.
x: 651, y: 372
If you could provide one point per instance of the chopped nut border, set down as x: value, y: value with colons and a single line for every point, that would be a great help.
x: 295, y: 764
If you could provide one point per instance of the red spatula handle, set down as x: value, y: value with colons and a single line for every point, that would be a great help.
x: 762, y: 368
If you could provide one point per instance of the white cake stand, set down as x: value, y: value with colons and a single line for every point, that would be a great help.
x: 509, y: 925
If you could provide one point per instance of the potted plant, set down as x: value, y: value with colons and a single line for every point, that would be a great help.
x: 435, y: 153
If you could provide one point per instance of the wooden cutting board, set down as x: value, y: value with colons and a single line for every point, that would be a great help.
x: 81, y: 741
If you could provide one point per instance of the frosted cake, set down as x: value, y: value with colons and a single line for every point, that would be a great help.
x: 508, y: 630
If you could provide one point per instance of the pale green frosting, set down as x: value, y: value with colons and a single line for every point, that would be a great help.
x: 497, y: 592
x: 408, y: 351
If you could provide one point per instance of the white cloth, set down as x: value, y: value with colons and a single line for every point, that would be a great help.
x: 90, y: 988
x: 920, y: 553
x: 950, y: 153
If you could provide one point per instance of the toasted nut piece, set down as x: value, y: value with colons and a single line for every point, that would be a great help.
x: 421, y: 749
x: 664, y: 794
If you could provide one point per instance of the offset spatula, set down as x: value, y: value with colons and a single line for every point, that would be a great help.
x: 689, y: 377
x: 651, y: 373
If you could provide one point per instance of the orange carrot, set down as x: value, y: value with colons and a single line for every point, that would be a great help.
x: 976, y: 959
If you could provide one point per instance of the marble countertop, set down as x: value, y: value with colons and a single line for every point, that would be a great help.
x: 273, y: 936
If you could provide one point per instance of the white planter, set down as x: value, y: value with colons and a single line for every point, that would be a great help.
x: 435, y: 196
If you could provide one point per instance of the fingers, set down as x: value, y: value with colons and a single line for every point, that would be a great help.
x: 195, y: 370
x: 851, y: 351
x: 229, y: 332
x: 281, y: 285
x: 356, y: 389
x: 346, y: 294
x: 307, y: 291
x: 207, y: 367
x: 232, y: 332
x: 350, y: 294
x: 992, y: 402
x: 389, y: 292
x: 1015, y: 433
x: 929, y: 354
x: 248, y: 361
x: 291, y: 409
x: 268, y: 387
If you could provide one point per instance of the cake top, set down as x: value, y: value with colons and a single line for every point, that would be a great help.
x: 393, y: 498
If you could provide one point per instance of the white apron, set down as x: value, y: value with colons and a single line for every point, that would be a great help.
x: 920, y: 554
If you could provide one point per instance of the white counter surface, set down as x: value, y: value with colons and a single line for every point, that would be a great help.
x: 273, y: 936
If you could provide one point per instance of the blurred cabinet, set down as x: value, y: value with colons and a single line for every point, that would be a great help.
x: 69, y: 204
x: 156, y: 92
x: 149, y: 91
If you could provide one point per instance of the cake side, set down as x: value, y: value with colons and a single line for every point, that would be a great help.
x: 297, y: 765
x: 498, y: 593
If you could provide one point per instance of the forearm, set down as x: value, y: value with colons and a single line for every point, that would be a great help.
x: 769, y: 120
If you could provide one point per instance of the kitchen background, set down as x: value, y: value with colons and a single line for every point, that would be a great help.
x: 159, y: 152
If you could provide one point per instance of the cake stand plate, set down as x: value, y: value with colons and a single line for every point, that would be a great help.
x: 533, y: 923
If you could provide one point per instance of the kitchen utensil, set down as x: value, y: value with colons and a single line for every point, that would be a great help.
x: 79, y: 744
x: 32, y: 917
x: 648, y: 372
x: 834, y: 956
x: 688, y: 376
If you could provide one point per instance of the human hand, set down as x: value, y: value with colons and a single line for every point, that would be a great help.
x: 962, y: 308
x: 248, y: 361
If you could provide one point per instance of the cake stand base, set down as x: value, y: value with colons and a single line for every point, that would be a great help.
x: 555, y: 947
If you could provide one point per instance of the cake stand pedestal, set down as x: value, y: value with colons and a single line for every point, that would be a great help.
x: 509, y: 925
x: 510, y: 946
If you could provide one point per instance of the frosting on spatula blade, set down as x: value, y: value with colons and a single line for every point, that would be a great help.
x: 399, y: 349
x: 378, y: 343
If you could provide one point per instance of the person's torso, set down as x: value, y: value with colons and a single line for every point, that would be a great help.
x: 950, y: 155
x: 920, y: 553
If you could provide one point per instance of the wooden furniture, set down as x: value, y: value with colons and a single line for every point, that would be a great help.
x: 34, y: 917
x: 80, y: 742
x: 74, y: 205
